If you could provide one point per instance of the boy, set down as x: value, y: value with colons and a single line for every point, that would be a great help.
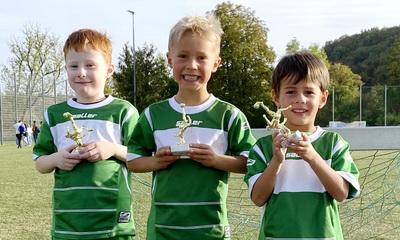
x: 92, y: 196
x: 189, y: 193
x: 299, y: 186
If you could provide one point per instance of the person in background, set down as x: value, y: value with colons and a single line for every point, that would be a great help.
x: 18, y: 133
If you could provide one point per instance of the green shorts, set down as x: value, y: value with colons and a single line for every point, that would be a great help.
x: 113, y: 238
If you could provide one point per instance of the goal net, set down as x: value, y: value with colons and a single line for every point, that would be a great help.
x: 374, y: 214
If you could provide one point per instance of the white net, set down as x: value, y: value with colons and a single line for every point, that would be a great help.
x: 374, y: 214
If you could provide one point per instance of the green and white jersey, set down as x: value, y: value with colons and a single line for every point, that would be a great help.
x: 300, y: 207
x: 94, y: 200
x: 188, y: 199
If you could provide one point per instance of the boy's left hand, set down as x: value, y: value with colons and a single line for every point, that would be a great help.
x: 302, y: 147
x: 97, y: 151
x: 203, y: 154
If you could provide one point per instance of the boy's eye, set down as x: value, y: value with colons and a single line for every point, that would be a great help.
x: 289, y: 92
x: 182, y: 56
x: 202, y: 58
x: 309, y: 92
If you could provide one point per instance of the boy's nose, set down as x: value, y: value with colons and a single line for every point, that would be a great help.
x: 192, y: 64
x: 82, y: 73
x: 301, y: 98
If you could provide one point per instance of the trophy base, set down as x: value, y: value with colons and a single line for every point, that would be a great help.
x: 76, y: 151
x: 296, y: 135
x: 180, y: 150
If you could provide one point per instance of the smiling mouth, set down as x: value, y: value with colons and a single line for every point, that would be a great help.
x: 299, y: 111
x: 190, y: 78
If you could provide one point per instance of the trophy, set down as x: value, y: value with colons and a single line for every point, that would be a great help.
x: 181, y: 148
x: 275, y: 122
x: 77, y: 134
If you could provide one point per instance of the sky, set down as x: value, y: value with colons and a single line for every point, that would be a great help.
x: 309, y: 21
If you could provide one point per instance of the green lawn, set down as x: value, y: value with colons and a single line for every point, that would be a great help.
x: 25, y: 199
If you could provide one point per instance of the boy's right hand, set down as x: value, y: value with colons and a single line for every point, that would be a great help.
x: 278, y: 150
x: 65, y: 160
x: 164, y: 157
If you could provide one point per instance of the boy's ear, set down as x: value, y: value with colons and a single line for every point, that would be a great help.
x: 275, y: 98
x: 216, y: 64
x: 169, y: 59
x: 324, y: 99
x: 110, y: 70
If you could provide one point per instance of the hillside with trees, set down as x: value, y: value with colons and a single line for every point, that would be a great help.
x: 368, y: 54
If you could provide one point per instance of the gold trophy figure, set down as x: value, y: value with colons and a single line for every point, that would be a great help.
x: 76, y: 135
x: 275, y: 122
x: 181, y: 148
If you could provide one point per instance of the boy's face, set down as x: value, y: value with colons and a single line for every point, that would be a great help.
x: 87, y: 73
x: 193, y: 60
x: 306, y: 98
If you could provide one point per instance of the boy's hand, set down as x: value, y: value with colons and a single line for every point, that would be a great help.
x: 164, y: 157
x: 65, y: 160
x: 303, y: 148
x: 279, y: 151
x: 203, y: 154
x: 97, y: 151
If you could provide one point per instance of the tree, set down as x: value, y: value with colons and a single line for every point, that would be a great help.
x: 36, y: 66
x: 293, y: 46
x: 153, y: 80
x: 244, y: 74
x: 393, y: 65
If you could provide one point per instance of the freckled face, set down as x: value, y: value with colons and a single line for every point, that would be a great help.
x: 193, y: 60
x: 87, y: 74
x: 306, y: 98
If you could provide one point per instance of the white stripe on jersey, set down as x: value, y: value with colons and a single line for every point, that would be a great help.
x: 297, y: 176
x: 215, y: 138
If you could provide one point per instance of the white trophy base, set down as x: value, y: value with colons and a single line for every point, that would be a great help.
x: 296, y: 135
x: 180, y: 150
x: 75, y: 151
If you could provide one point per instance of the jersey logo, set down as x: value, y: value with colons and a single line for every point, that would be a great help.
x: 194, y: 122
x: 245, y: 126
x: 227, y: 232
x: 124, y: 217
x: 250, y: 162
x: 292, y: 155
x: 84, y: 115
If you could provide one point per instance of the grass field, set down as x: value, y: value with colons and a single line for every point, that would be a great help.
x: 25, y: 199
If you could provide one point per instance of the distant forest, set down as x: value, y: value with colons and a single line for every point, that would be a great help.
x: 373, y: 54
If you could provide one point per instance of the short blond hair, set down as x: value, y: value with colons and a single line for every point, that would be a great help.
x: 79, y: 40
x: 208, y: 27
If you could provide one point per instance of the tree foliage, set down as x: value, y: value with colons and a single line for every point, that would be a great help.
x: 366, y: 53
x: 243, y: 77
x: 393, y: 65
x: 153, y: 81
x: 36, y: 58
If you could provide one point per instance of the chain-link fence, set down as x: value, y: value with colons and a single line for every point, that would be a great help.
x: 377, y: 106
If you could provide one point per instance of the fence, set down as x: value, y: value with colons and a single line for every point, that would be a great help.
x: 377, y: 106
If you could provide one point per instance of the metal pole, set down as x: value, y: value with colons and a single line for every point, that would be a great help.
x: 42, y: 96
x: 385, y: 103
x: 360, y: 103
x: 15, y: 97
x: 1, y: 112
x: 134, y: 57
x: 333, y: 104
x: 30, y: 98
x: 55, y: 90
